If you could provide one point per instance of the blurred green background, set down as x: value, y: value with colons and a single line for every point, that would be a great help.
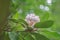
x: 45, y: 9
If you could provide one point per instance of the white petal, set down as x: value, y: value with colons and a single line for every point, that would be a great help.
x: 32, y: 18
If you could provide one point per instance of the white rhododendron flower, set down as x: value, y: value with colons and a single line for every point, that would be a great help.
x: 32, y: 19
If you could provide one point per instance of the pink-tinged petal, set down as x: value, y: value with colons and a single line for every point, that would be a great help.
x: 32, y: 19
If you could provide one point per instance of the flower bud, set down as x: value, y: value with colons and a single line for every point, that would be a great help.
x: 32, y: 19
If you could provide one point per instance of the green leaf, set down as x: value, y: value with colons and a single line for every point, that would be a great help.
x: 15, y: 16
x: 26, y: 35
x: 13, y: 20
x: 13, y: 36
x: 18, y: 27
x: 18, y: 35
x: 51, y: 34
x: 21, y: 21
x: 29, y: 37
x: 39, y: 36
x: 6, y: 36
x: 45, y: 24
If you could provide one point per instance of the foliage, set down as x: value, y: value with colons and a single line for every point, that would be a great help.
x: 20, y: 29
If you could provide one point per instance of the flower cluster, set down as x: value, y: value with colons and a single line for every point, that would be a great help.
x: 32, y: 19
